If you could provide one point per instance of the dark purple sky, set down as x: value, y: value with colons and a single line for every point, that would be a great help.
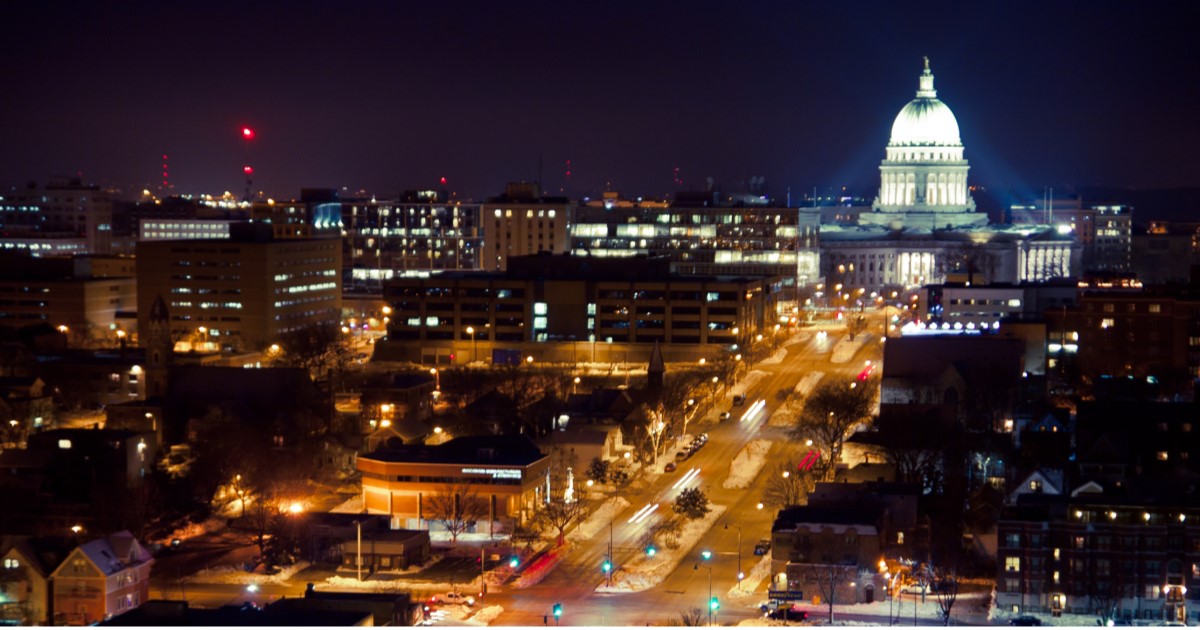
x: 393, y: 95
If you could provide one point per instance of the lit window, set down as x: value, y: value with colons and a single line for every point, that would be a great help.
x: 12, y: 563
x: 1163, y: 456
x: 1012, y: 564
x: 64, y: 444
x: 899, y: 538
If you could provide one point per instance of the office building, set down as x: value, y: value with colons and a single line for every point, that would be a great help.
x: 65, y: 208
x: 522, y: 222
x: 240, y: 293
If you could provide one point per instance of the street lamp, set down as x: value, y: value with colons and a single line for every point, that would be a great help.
x: 740, y: 575
x: 474, y: 344
x: 575, y: 385
x: 705, y: 556
x: 437, y: 379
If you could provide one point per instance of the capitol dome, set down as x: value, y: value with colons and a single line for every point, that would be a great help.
x: 925, y: 121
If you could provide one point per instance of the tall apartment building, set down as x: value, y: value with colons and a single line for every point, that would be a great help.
x: 242, y: 292
x: 65, y: 208
x: 423, y: 231
x: 1104, y: 232
x: 522, y: 222
x: 705, y: 239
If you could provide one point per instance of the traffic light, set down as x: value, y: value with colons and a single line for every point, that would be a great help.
x: 557, y: 610
x: 713, y: 604
x: 607, y: 566
x: 650, y: 550
x: 514, y: 562
x: 706, y: 554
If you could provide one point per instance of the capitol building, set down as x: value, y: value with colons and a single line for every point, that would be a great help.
x: 923, y: 225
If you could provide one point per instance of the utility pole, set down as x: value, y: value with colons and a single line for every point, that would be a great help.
x: 358, y: 555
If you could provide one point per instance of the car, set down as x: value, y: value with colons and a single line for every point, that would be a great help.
x: 458, y: 598
x: 703, y: 437
x: 762, y: 547
x: 682, y: 455
x: 670, y: 467
x: 725, y: 415
x: 788, y: 613
x: 1025, y: 620
x: 739, y: 400
x: 915, y: 587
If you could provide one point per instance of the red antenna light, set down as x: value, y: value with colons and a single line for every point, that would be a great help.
x: 247, y: 133
x: 248, y: 170
x: 443, y: 181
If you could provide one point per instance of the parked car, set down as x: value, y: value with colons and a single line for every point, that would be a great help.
x: 787, y: 613
x: 725, y: 415
x: 739, y: 400
x: 762, y: 547
x: 682, y: 455
x: 670, y: 467
x: 458, y: 598
x: 915, y: 587
x: 1025, y: 620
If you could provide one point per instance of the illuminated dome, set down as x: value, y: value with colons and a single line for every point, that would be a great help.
x: 925, y: 121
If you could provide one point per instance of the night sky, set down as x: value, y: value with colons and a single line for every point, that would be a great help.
x: 387, y: 96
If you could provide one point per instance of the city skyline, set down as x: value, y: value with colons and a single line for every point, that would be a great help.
x: 803, y: 96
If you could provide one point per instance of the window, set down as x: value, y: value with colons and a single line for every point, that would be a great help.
x: 1012, y: 564
x: 13, y: 563
x: 1162, y: 456
x: 899, y: 538
x: 1012, y: 540
x: 1012, y: 585
x: 1080, y: 542
x: 1057, y: 576
x: 1035, y: 486
x: 1057, y: 553
x: 1156, y: 308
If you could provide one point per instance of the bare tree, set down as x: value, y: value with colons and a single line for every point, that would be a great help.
x: 1105, y: 588
x: 830, y: 412
x: 558, y: 514
x: 653, y: 430
x: 319, y: 348
x: 855, y: 326
x: 694, y: 616
x: 790, y: 489
x: 946, y: 591
x: 829, y: 578
x: 456, y: 506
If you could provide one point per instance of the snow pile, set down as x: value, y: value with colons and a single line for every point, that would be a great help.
x: 806, y: 384
x: 542, y: 566
x: 745, y: 467
x: 234, y: 575
x: 746, y: 383
x: 192, y: 530
x: 760, y: 572
x: 783, y: 416
x: 845, y: 349
x: 485, y: 616
x: 339, y: 583
x: 775, y: 358
x: 644, y: 572
x: 599, y: 519
x: 353, y: 505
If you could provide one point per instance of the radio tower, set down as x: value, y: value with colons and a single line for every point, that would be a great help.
x: 166, y: 171
x: 247, y: 136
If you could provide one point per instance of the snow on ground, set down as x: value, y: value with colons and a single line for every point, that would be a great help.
x: 235, y: 575
x: 806, y: 384
x: 798, y: 338
x: 468, y: 537
x: 191, y: 530
x: 998, y: 616
x: 845, y: 349
x: 647, y: 572
x: 745, y: 467
x: 353, y: 505
x: 966, y: 611
x: 783, y: 416
x: 485, y: 616
x: 542, y: 566
x: 339, y: 583
x: 746, y: 383
x: 775, y: 358
x: 760, y: 572
x: 598, y: 519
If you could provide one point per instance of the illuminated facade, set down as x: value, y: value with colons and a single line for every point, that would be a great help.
x: 700, y: 240
x: 242, y: 292
x: 923, y: 225
x: 506, y: 473
x: 65, y: 208
x: 422, y: 232
x: 522, y: 222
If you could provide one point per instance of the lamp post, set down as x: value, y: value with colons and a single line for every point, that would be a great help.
x: 437, y: 379
x: 474, y: 344
x: 358, y: 555
x: 706, y: 556
x: 740, y: 575
x: 575, y: 385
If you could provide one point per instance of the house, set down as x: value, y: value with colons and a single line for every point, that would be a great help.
x: 24, y: 400
x: 397, y: 397
x: 585, y: 441
x: 384, y: 550
x: 27, y: 563
x: 101, y: 579
x: 831, y: 552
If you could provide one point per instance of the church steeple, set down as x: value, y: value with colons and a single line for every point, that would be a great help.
x: 159, y: 348
x: 656, y: 369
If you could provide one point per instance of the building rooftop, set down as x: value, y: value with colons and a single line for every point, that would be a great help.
x: 495, y: 450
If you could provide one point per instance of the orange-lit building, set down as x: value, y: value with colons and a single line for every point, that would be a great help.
x: 507, y: 472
